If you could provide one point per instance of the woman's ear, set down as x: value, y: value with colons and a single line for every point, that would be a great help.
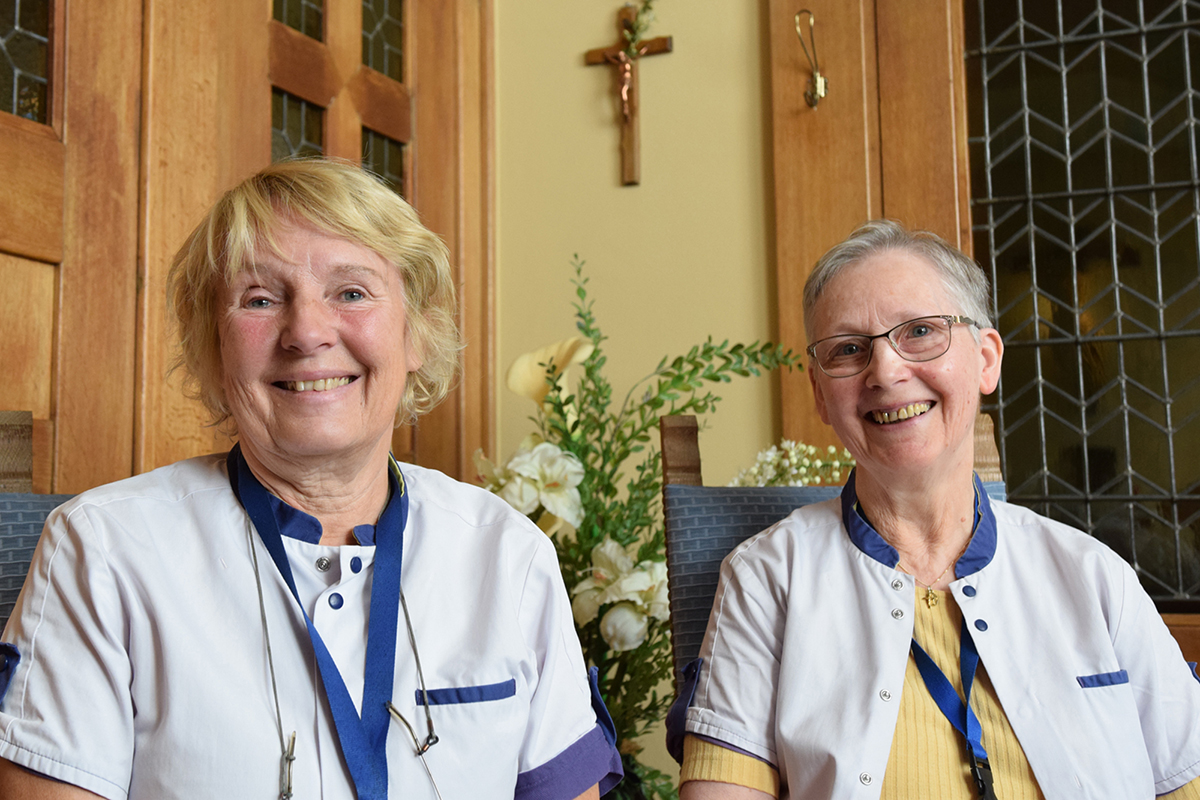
x: 992, y: 353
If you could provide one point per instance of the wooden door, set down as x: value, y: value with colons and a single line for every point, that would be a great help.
x: 155, y: 109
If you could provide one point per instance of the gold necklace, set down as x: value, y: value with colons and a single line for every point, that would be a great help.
x: 931, y: 599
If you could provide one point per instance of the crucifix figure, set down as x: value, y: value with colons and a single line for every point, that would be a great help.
x: 624, y: 55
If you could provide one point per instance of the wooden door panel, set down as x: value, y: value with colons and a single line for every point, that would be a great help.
x: 32, y: 161
x: 27, y: 334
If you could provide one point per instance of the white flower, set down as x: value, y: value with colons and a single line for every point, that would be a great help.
x: 615, y: 578
x: 554, y: 476
x: 539, y: 475
x: 655, y: 595
x: 624, y: 627
x: 610, y: 563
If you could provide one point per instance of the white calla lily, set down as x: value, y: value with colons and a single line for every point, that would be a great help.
x: 527, y: 375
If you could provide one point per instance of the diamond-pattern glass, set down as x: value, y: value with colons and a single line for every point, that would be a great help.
x: 25, y: 58
x: 385, y: 157
x: 1084, y: 148
x: 297, y: 127
x: 383, y: 37
x: 306, y: 16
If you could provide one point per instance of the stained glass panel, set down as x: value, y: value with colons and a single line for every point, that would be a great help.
x: 383, y: 37
x: 1086, y: 207
x: 384, y: 157
x: 297, y: 127
x: 306, y: 16
x: 25, y: 58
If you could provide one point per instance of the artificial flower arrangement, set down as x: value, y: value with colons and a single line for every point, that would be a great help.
x: 592, y: 480
x: 795, y: 464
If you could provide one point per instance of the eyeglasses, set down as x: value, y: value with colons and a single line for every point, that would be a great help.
x: 920, y: 339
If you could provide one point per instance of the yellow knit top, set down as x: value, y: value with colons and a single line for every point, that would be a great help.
x: 928, y: 756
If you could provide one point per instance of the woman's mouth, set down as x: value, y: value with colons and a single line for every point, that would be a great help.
x: 322, y: 385
x: 907, y: 412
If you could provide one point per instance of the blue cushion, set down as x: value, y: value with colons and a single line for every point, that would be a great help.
x: 21, y: 520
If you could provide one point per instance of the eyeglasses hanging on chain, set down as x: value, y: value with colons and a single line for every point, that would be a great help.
x: 818, y: 86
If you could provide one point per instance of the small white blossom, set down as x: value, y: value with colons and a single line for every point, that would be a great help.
x: 795, y: 464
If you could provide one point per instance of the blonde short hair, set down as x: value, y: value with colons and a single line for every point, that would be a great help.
x: 342, y: 200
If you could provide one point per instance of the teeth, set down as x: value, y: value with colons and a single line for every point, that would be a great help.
x: 315, y: 386
x: 909, y: 411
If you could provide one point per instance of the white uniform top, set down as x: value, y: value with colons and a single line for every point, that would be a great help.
x: 807, y: 645
x: 143, y: 665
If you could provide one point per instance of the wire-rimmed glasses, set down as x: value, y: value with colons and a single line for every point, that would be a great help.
x: 920, y: 339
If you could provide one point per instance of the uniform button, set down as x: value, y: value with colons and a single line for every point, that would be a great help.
x: 356, y: 565
x: 897, y: 613
x: 980, y: 625
x: 864, y: 779
x: 969, y: 591
x: 335, y: 600
x: 885, y: 695
x: 897, y: 584
x: 323, y: 564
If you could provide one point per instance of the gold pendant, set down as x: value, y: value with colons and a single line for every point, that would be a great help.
x: 931, y: 599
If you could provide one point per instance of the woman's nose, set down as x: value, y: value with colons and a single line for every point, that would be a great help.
x: 886, y: 365
x: 309, y: 325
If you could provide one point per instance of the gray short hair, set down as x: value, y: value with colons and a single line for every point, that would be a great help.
x: 962, y: 278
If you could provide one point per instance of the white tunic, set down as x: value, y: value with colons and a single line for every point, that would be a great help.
x: 143, y: 668
x: 807, y: 645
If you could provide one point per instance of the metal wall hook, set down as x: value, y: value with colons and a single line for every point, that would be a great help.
x: 818, y: 86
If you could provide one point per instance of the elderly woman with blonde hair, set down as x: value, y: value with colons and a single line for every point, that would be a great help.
x: 303, y: 615
x: 913, y: 638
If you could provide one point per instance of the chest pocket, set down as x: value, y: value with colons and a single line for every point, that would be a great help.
x: 469, y: 694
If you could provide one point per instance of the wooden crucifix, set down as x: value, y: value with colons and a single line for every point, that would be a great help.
x: 618, y: 55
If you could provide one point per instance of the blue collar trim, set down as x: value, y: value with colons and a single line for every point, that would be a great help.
x: 979, y: 552
x: 296, y: 524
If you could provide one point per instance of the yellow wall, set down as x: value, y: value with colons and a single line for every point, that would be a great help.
x: 684, y: 255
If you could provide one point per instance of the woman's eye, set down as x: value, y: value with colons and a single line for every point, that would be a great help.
x: 847, y: 349
x: 352, y: 295
x: 258, y: 302
x: 917, y: 331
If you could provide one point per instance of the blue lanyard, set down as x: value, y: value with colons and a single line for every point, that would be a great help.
x: 959, y: 712
x: 363, y: 740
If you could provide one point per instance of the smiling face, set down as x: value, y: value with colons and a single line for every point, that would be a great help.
x: 314, y: 349
x: 897, y: 417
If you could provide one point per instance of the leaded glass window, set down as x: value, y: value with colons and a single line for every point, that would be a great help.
x: 383, y: 37
x: 25, y: 58
x: 384, y: 157
x: 1086, y: 210
x: 306, y: 16
x: 297, y: 128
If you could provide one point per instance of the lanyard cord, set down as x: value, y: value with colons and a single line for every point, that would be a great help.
x: 289, y: 750
x: 959, y: 711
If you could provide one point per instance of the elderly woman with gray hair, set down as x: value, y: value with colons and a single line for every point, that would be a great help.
x: 914, y: 638
x: 302, y: 615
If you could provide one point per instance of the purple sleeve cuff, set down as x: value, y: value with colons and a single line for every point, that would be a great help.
x: 590, y: 760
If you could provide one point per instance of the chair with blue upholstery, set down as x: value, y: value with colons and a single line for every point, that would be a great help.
x: 21, y: 519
